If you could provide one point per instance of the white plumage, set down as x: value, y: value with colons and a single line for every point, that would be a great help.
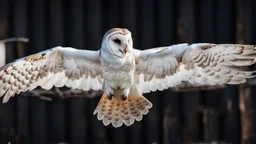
x: 124, y: 73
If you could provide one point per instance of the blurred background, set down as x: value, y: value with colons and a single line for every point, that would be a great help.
x: 195, y: 116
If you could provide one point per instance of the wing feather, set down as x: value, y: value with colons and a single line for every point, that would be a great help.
x: 200, y: 64
x: 79, y: 69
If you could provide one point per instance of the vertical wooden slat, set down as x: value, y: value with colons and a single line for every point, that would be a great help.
x: 207, y: 33
x: 3, y: 29
x: 231, y: 121
x: 245, y: 106
x: 225, y: 33
x: 20, y: 30
x: 135, y: 133
x: 4, y: 19
x: 146, y: 24
x: 2, y: 53
x: 128, y: 18
x: 247, y: 8
x: 119, y: 135
x: 56, y: 108
x: 76, y: 109
x: 166, y: 35
x: 225, y: 21
x: 20, y: 18
x: 94, y: 22
x: 206, y: 21
x: 171, y: 118
x: 245, y: 33
x: 166, y: 26
x: 191, y: 116
x: 37, y: 35
x: 8, y: 115
x: 38, y: 123
x: 187, y: 20
x: 146, y: 39
x: 111, y: 12
x: 191, y: 100
x: 78, y: 121
x: 211, y: 115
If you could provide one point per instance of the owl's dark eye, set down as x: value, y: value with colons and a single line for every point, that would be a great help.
x: 117, y: 41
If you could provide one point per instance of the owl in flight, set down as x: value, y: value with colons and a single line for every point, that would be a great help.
x: 124, y: 73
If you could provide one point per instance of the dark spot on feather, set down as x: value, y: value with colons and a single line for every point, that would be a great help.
x: 208, y: 46
x: 109, y: 112
x: 132, y: 108
x: 102, y: 110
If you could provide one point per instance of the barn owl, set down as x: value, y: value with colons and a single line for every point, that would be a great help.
x: 124, y: 73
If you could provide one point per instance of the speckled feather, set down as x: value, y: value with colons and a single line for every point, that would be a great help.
x: 200, y: 64
x: 55, y: 67
x: 118, y: 112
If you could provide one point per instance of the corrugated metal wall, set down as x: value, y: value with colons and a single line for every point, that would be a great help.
x: 177, y: 117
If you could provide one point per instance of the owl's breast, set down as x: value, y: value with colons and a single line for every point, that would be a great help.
x: 118, y: 75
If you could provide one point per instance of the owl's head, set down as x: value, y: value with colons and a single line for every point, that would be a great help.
x: 118, y: 41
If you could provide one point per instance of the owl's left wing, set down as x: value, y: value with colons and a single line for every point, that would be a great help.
x: 198, y: 64
x: 59, y: 66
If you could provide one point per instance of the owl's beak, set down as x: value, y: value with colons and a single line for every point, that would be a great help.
x: 124, y: 51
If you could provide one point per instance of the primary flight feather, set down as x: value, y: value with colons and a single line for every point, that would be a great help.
x: 124, y: 73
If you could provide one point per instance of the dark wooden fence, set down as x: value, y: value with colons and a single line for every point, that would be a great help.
x: 223, y: 115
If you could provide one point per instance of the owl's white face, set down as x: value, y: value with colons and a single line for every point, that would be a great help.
x: 119, y: 42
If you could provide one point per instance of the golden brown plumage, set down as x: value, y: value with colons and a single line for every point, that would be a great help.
x: 118, y: 112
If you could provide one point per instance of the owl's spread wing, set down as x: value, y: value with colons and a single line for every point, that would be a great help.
x: 199, y: 64
x: 79, y: 69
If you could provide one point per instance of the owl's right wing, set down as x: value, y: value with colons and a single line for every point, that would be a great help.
x: 78, y: 69
x: 200, y: 64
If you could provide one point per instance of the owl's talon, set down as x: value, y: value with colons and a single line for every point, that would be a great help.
x: 110, y: 96
x: 124, y: 97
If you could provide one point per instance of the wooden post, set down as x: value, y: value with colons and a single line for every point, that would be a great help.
x: 191, y: 100
x: 245, y: 34
x: 76, y: 107
x: 2, y: 53
x: 169, y: 101
x: 56, y: 108
x: 225, y: 33
x: 37, y: 107
x: 245, y: 105
x: 146, y: 33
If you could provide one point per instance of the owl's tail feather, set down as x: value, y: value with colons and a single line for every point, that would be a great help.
x: 117, y: 111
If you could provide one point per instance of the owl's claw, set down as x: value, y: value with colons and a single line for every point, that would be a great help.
x: 124, y: 97
x: 110, y: 96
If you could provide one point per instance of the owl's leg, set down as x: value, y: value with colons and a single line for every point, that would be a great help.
x: 110, y: 93
x: 125, y: 94
x: 108, y: 90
